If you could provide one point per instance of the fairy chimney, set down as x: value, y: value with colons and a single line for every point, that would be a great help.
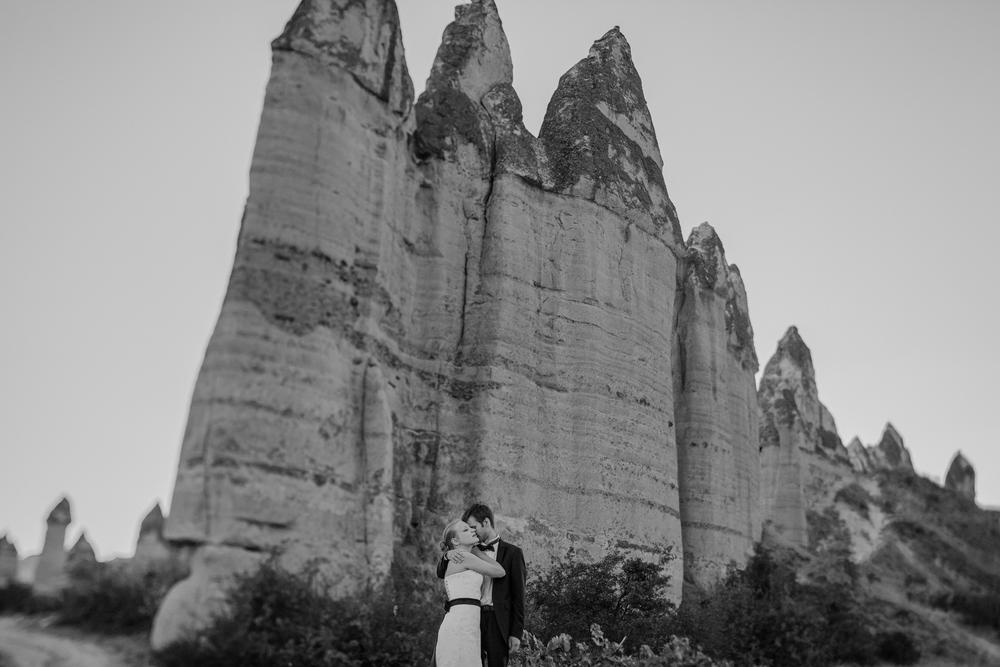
x: 8, y: 561
x: 961, y: 477
x: 50, y: 575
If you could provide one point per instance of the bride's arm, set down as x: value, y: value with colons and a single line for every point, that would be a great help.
x: 484, y: 565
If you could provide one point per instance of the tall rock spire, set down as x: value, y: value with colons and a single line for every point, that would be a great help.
x: 961, y: 477
x: 789, y: 409
x: 599, y: 138
x: 890, y: 453
x: 860, y: 459
x: 362, y: 38
x: 270, y: 457
x: 8, y: 561
x: 50, y: 576
x: 717, y: 419
x: 150, y: 545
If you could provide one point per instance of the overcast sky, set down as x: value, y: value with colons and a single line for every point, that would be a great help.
x: 847, y: 153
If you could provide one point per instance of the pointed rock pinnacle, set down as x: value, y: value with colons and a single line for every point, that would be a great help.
x: 61, y: 513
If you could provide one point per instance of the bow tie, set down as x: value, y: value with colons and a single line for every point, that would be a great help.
x: 492, y: 546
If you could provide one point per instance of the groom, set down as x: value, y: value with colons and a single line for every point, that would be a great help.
x: 502, y: 616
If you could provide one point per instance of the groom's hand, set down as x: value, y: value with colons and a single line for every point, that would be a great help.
x: 455, y: 556
x: 513, y: 643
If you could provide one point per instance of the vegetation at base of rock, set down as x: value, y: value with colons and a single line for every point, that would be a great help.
x: 111, y: 599
x: 977, y: 610
x: 600, y: 651
x: 625, y: 597
x: 16, y: 598
x: 612, y: 611
x: 277, y: 617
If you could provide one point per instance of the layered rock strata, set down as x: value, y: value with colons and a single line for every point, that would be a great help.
x: 50, y: 575
x: 961, y: 477
x: 717, y: 414
x: 8, y: 561
x: 429, y: 305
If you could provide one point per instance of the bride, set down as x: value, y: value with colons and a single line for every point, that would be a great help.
x: 458, y: 637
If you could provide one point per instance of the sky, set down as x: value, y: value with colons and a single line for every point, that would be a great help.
x: 847, y: 153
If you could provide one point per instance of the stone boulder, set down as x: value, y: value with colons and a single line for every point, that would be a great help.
x: 8, y: 561
x: 50, y: 574
x: 430, y: 306
x: 717, y: 414
x: 961, y: 477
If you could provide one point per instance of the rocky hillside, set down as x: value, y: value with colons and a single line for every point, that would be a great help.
x: 928, y: 558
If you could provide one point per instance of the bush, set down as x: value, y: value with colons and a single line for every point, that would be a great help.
x: 979, y: 610
x: 897, y: 648
x: 278, y: 617
x: 625, y: 597
x: 562, y: 650
x: 115, y: 599
x: 764, y: 615
x: 856, y: 497
x: 15, y: 598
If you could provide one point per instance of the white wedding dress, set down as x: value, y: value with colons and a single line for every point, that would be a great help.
x: 458, y: 636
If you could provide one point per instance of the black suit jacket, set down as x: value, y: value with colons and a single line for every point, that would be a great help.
x: 508, y: 590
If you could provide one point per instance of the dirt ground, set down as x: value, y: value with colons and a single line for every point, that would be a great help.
x: 29, y: 642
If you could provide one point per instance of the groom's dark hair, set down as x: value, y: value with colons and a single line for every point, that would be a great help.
x: 481, y: 512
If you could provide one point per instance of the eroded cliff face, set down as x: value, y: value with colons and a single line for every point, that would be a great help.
x: 717, y: 414
x: 430, y: 306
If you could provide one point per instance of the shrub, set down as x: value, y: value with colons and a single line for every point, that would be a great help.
x: 764, y: 615
x: 856, y: 497
x: 278, y: 617
x: 116, y: 599
x: 897, y: 648
x: 981, y: 610
x: 16, y: 598
x: 625, y: 597
x: 600, y: 651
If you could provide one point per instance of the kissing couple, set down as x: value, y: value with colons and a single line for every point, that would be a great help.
x: 484, y: 580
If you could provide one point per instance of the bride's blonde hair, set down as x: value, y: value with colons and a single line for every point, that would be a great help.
x: 450, y: 532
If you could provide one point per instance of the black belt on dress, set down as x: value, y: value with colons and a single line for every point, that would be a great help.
x: 451, y: 603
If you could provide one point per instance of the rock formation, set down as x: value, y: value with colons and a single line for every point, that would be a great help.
x: 961, y: 477
x: 8, y: 561
x: 717, y: 415
x: 858, y: 453
x: 428, y: 305
x: 890, y: 453
x: 150, y: 545
x: 50, y: 574
x: 81, y: 554
x: 803, y: 460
